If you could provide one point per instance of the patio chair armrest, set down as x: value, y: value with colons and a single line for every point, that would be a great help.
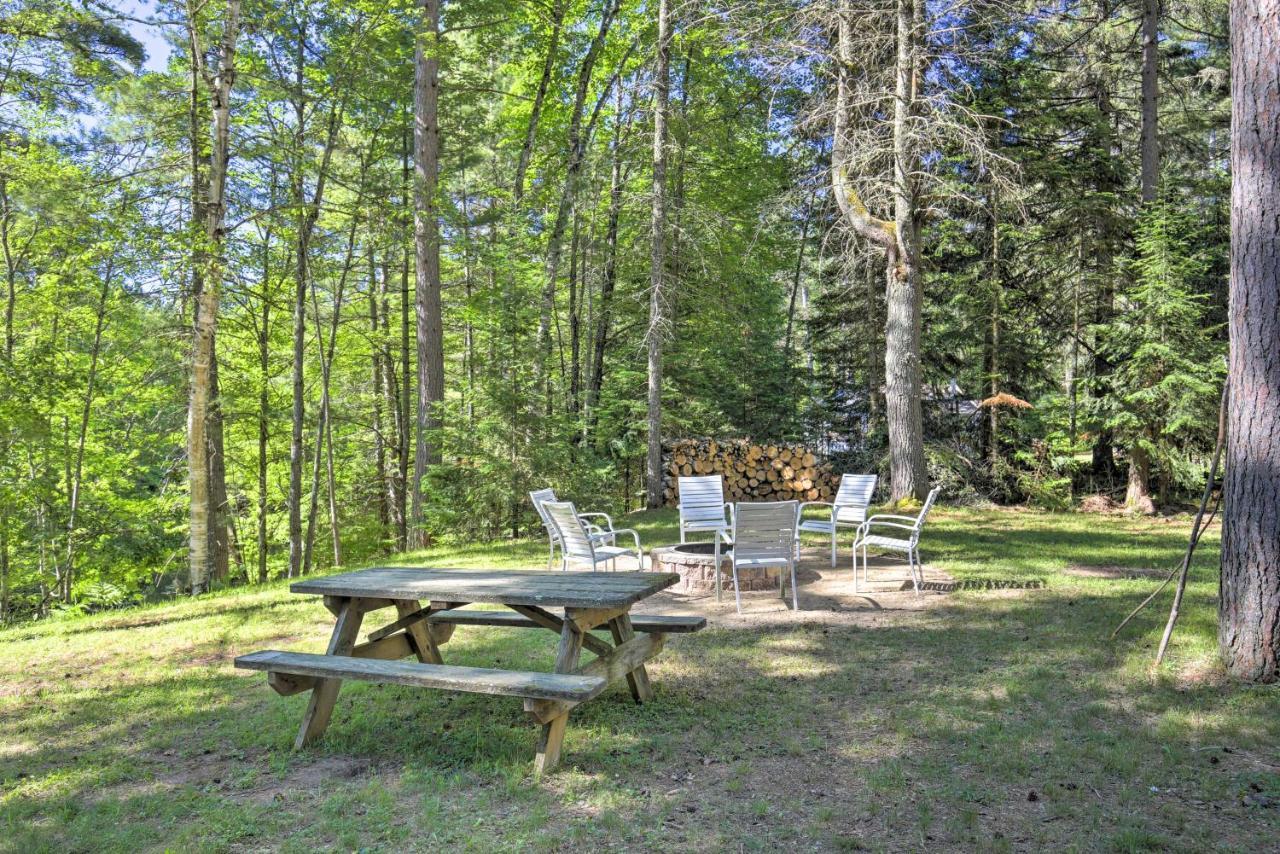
x: 880, y: 523
x: 608, y: 521
x: 880, y: 516
x: 804, y: 504
x: 632, y: 531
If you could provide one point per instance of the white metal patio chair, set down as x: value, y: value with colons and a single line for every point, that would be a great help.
x: 703, y: 508
x: 764, y: 534
x: 848, y: 510
x: 910, y: 545
x: 540, y: 497
x: 580, y: 545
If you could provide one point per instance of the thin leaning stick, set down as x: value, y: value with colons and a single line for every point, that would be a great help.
x: 1197, y: 530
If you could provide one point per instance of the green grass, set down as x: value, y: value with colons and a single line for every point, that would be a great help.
x: 1002, y: 719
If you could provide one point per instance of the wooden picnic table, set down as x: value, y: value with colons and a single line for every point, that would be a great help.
x: 572, y: 604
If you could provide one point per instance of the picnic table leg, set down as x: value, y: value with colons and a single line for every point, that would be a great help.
x: 638, y: 679
x: 552, y: 736
x: 325, y: 692
x: 423, y: 640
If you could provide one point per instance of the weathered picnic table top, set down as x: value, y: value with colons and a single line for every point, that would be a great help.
x: 504, y: 587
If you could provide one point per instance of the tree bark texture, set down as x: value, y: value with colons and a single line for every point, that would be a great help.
x: 657, y: 257
x: 1249, y: 603
x: 899, y: 240
x: 1150, y: 143
x: 426, y: 241
x: 214, y: 209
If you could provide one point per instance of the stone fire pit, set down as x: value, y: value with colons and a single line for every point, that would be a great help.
x: 693, y: 563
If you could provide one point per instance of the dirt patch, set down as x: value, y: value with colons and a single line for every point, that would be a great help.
x: 226, y: 773
x: 827, y: 596
x: 1100, y: 504
x: 1082, y: 570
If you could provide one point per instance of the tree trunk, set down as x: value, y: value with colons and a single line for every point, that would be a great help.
x: 73, y: 498
x: 426, y: 240
x: 548, y: 67
x: 897, y: 239
x: 4, y: 568
x: 1249, y: 602
x: 404, y: 389
x: 902, y: 332
x: 264, y: 409
x: 575, y: 320
x: 609, y: 276
x: 1150, y: 94
x: 220, y: 545
x: 378, y: 376
x: 324, y: 433
x: 1138, y: 492
x: 993, y: 352
x: 578, y: 140
x: 214, y: 210
x: 657, y: 258
x: 10, y: 270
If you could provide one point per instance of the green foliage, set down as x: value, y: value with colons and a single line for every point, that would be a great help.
x: 1169, y: 361
x: 1041, y: 281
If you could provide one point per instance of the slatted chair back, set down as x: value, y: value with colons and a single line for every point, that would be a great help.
x: 924, y: 511
x: 764, y: 529
x: 854, y: 497
x: 574, y: 539
x: 540, y: 497
x: 702, y: 499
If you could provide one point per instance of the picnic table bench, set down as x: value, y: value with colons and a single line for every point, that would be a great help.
x: 586, y: 602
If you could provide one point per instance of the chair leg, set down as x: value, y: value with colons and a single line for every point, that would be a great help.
x: 737, y: 592
x: 795, y: 592
x: 833, y: 546
x: 915, y: 580
x: 716, y: 565
x: 681, y: 533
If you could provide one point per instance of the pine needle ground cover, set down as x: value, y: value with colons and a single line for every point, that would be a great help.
x: 998, y: 718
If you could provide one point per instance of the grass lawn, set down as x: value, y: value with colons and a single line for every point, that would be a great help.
x: 1001, y: 718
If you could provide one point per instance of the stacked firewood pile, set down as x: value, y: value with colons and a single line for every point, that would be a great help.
x: 751, y: 472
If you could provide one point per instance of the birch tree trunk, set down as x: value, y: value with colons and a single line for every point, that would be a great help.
x: 657, y: 258
x: 1249, y: 601
x: 539, y: 97
x: 426, y: 240
x: 205, y: 326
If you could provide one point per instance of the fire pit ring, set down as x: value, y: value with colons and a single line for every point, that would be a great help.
x: 694, y: 563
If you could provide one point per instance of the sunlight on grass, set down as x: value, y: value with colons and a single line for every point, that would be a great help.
x: 130, y: 730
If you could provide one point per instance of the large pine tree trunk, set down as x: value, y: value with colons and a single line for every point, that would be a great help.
x: 902, y: 332
x: 1150, y: 96
x: 657, y: 258
x: 426, y: 240
x: 1249, y: 605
